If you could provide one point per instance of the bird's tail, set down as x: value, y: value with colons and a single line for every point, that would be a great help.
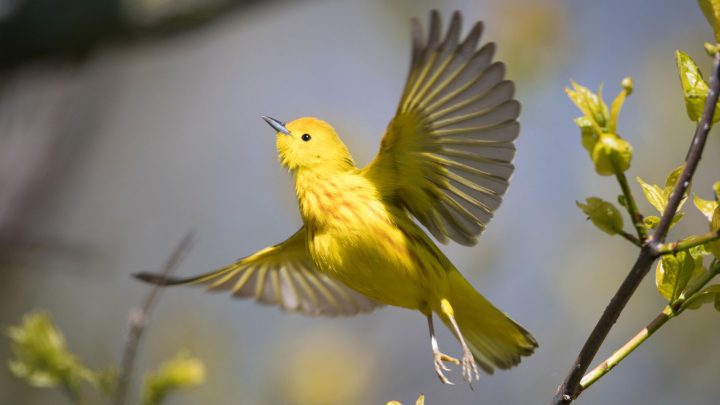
x: 494, y: 339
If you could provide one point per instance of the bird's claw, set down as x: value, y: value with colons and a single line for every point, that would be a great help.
x: 470, y: 370
x: 440, y: 359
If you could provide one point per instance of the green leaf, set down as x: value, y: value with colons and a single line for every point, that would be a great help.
x: 654, y: 194
x: 651, y: 221
x: 603, y: 215
x: 611, y: 155
x: 183, y: 371
x: 673, y: 273
x: 617, y: 104
x: 40, y: 356
x: 714, y: 247
x: 107, y: 381
x: 705, y: 296
x: 622, y: 200
x: 677, y: 218
x: 587, y: 134
x: 672, y: 179
x: 590, y: 104
x: 707, y: 207
x: 711, y: 10
x: 694, y: 88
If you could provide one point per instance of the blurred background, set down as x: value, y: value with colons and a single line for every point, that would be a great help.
x: 126, y: 123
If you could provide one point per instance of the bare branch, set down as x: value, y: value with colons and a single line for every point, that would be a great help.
x: 138, y: 320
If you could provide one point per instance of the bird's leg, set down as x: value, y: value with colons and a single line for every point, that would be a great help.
x: 438, y: 356
x: 469, y: 365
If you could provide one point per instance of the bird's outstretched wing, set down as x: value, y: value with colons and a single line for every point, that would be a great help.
x: 447, y: 154
x: 284, y: 275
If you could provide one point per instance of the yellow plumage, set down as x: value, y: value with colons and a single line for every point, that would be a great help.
x: 445, y: 160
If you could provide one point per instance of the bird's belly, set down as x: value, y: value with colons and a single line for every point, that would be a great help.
x: 379, y: 263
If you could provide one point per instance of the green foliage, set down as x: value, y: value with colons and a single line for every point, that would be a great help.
x: 603, y: 215
x: 183, y: 371
x: 681, y: 276
x: 42, y: 360
x: 610, y: 153
x: 711, y: 10
x: 711, y: 211
x: 694, y: 88
x: 41, y: 357
x: 658, y: 197
x: 708, y: 295
x: 673, y: 273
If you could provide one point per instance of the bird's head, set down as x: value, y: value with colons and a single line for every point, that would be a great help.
x: 310, y: 143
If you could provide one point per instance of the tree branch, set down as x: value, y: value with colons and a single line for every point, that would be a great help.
x: 570, y: 388
x: 138, y: 320
x: 668, y: 313
x: 632, y: 344
x: 688, y: 243
x: 632, y: 208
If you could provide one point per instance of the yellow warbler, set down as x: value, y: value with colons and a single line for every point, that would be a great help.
x: 444, y: 160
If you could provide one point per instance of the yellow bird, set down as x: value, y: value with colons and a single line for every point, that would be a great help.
x: 445, y: 160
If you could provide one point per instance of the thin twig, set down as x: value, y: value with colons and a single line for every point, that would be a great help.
x: 630, y: 237
x: 632, y: 344
x: 570, y: 388
x: 668, y: 313
x: 686, y: 244
x: 138, y: 319
x: 632, y: 208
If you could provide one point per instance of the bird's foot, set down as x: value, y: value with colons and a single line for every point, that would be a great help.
x: 440, y: 359
x: 470, y: 369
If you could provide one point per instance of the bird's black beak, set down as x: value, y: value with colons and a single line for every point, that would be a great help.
x: 277, y: 125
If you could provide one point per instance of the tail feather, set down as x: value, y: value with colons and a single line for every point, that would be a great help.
x: 494, y: 339
x: 159, y: 279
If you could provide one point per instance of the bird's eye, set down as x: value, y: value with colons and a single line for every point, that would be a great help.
x: 305, y: 137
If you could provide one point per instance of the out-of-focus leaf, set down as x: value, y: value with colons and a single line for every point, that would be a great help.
x: 694, y: 88
x: 654, y: 194
x: 716, y: 189
x: 604, y: 215
x: 41, y: 357
x: 183, y: 371
x: 698, y: 253
x: 711, y: 10
x: 611, y: 155
x: 707, y: 207
x: 588, y: 136
x: 677, y: 218
x: 651, y: 221
x: 107, y: 381
x: 705, y: 296
x: 420, y: 400
x: 673, y: 273
x: 714, y: 247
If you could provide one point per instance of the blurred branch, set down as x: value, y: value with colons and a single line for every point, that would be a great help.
x: 138, y: 320
x: 73, y: 29
x: 570, y: 388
